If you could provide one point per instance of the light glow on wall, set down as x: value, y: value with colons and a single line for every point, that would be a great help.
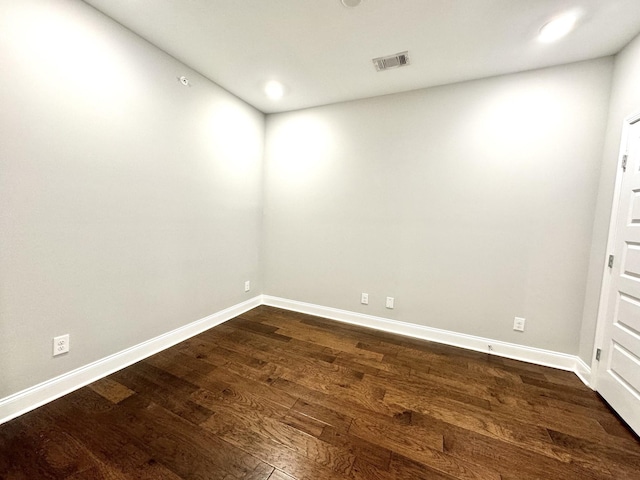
x: 516, y: 119
x: 233, y: 139
x: 67, y: 56
x: 299, y: 148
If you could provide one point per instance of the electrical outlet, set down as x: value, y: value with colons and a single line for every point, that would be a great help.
x: 60, y: 344
x: 364, y: 299
x: 247, y: 286
x: 518, y: 324
x: 390, y: 302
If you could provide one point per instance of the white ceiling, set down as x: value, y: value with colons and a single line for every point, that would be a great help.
x: 321, y: 51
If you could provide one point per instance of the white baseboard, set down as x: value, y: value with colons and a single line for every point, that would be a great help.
x: 26, y: 400
x: 33, y: 397
x: 583, y: 371
x: 514, y: 351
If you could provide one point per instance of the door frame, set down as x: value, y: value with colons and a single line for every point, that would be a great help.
x: 611, y: 238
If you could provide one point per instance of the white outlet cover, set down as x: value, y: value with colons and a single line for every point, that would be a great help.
x: 364, y: 299
x: 60, y: 345
x: 518, y: 324
x: 247, y: 286
x: 390, y: 302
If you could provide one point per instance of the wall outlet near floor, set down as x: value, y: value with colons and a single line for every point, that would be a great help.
x: 390, y: 302
x: 518, y: 324
x: 60, y: 344
x: 364, y: 299
x: 247, y: 286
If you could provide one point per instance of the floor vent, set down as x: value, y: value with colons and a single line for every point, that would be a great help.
x: 391, y: 61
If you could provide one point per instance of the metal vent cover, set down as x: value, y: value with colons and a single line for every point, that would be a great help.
x: 392, y: 61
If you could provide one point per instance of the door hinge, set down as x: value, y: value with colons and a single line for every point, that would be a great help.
x: 610, y: 261
x: 598, y: 352
x: 624, y: 163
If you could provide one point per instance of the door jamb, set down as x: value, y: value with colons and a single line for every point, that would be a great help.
x: 606, y: 273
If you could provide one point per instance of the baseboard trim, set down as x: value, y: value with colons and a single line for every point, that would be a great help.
x: 514, y: 351
x: 583, y: 371
x: 36, y: 396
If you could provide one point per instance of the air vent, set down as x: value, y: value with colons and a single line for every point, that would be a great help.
x: 391, y: 61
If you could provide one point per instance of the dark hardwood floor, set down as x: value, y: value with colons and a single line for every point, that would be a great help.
x: 279, y: 395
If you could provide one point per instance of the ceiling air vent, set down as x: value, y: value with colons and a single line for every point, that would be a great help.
x: 391, y: 61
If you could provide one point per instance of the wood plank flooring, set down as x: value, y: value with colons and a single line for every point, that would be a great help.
x: 280, y: 395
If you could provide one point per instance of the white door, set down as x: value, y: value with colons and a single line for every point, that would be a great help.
x: 618, y: 377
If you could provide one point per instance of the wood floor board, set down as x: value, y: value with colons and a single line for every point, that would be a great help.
x: 280, y: 475
x: 373, y: 453
x: 257, y: 387
x: 593, y: 451
x: 174, y: 400
x: 188, y: 451
x: 423, y: 446
x: 494, y: 425
x: 268, y: 331
x: 277, y: 455
x: 372, y: 366
x: 381, y: 413
x: 552, y: 418
x: 279, y: 395
x: 326, y: 338
x: 119, y: 457
x: 181, y: 365
x: 586, y: 398
x: 270, y: 421
x: 286, y: 360
x: 339, y: 421
x: 245, y: 341
x: 304, y: 423
x: 419, y: 385
x: 514, y: 462
x: 490, y: 372
x: 405, y: 468
x: 111, y: 390
x: 42, y: 450
x: 616, y: 428
x: 379, y: 347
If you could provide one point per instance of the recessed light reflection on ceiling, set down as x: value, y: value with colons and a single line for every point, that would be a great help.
x: 557, y: 28
x: 274, y: 90
x: 350, y: 3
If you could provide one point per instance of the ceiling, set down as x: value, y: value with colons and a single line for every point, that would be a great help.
x: 321, y: 51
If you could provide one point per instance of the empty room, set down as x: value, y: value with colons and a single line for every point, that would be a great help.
x: 320, y: 239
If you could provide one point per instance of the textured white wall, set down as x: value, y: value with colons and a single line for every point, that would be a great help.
x: 129, y: 204
x: 625, y: 101
x: 470, y: 203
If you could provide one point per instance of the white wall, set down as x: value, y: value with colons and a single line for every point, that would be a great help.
x: 470, y: 203
x: 625, y: 101
x: 130, y: 204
